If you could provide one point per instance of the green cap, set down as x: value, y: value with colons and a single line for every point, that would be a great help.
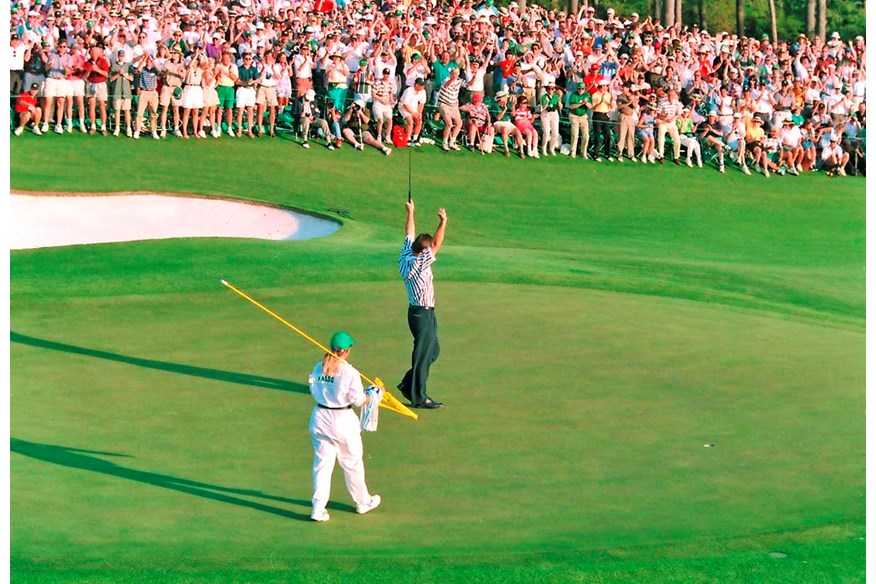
x: 341, y: 341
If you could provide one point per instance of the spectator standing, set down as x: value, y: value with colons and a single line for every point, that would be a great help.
x: 603, y: 103
x: 688, y: 138
x: 120, y: 78
x: 226, y: 78
x: 448, y: 105
x: 627, y: 107
x: 579, y: 102
x: 171, y: 90
x: 97, y: 71
x: 266, y: 97
x: 247, y: 79
x: 551, y: 104
x: 383, y: 101
x: 147, y: 95
x: 35, y: 60
x: 668, y: 111
x: 56, y: 87
x: 17, y: 52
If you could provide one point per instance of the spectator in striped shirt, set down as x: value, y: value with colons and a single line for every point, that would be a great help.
x: 383, y: 101
x: 668, y: 112
x: 147, y: 95
x: 448, y: 105
x: 415, y: 266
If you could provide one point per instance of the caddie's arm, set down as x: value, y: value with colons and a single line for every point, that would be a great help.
x: 410, y: 230
x: 438, y: 238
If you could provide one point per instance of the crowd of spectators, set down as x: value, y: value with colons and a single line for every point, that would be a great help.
x: 536, y: 82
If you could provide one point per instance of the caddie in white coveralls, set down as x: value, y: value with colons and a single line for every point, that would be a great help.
x: 335, y: 430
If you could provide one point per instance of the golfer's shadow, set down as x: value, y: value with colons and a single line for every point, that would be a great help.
x: 88, y: 460
x: 218, y: 374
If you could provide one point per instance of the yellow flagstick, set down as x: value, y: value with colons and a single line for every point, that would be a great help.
x: 389, y: 401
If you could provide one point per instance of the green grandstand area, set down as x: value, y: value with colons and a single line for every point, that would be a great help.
x: 600, y: 324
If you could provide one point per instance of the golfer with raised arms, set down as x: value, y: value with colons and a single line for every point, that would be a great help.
x: 334, y: 428
x: 415, y: 267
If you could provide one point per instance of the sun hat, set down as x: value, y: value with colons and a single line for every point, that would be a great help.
x: 341, y: 341
x: 500, y: 94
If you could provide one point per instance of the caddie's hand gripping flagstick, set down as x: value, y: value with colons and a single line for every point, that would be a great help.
x: 389, y: 401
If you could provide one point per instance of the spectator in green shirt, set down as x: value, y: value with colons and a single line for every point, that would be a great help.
x: 441, y: 70
x: 579, y: 102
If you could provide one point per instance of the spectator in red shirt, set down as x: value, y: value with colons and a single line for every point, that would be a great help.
x: 28, y: 110
x: 96, y: 71
x: 591, y: 80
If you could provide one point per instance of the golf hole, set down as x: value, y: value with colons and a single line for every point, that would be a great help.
x: 53, y: 220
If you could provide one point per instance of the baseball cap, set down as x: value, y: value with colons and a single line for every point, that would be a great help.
x: 34, y: 86
x: 386, y: 71
x: 310, y: 95
x: 341, y: 341
x: 420, y: 81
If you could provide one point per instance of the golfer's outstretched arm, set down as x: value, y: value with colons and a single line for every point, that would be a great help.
x: 438, y: 238
x: 410, y: 229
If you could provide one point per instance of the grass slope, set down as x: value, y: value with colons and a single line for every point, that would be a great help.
x: 159, y: 423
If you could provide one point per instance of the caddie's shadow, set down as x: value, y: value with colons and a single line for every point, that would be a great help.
x: 83, y: 459
x: 218, y: 374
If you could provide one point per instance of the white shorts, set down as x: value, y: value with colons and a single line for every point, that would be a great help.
x: 77, y: 87
x: 192, y: 97
x: 245, y: 97
x: 56, y: 88
x: 381, y: 111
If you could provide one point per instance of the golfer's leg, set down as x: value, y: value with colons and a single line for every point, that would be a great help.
x: 324, y: 454
x: 419, y: 322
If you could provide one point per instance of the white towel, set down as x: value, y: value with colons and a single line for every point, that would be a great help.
x: 368, y: 414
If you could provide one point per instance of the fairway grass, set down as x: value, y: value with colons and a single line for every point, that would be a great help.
x: 598, y: 326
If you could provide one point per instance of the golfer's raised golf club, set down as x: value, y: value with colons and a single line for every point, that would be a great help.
x: 410, y: 148
x: 389, y: 401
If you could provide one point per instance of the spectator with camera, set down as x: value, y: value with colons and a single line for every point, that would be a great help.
x: 310, y: 117
x: 356, y: 131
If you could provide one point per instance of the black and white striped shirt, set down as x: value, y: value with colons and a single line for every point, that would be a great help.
x: 416, y: 271
x: 449, y: 92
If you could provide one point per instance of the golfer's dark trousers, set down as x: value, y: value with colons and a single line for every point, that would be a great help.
x: 602, y: 133
x: 424, y: 328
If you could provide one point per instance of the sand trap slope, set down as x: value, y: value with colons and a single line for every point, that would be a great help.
x: 54, y: 220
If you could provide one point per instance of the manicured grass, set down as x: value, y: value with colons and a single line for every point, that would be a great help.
x: 599, y: 325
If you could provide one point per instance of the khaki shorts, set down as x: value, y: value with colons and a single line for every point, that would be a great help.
x: 267, y: 95
x: 97, y: 90
x: 449, y: 111
x: 166, y: 98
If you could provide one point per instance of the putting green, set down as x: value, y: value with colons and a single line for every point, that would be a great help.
x: 574, y: 417
x: 598, y: 327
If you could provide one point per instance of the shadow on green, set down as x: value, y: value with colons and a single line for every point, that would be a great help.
x: 81, y: 459
x: 195, y: 371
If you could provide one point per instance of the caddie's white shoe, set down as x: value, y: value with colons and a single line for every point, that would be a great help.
x: 320, y: 515
x: 374, y: 503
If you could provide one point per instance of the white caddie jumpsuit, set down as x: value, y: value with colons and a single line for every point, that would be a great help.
x: 336, y: 434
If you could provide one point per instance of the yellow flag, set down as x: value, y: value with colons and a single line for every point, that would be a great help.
x: 390, y: 402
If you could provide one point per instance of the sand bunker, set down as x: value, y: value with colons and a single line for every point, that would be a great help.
x: 56, y: 220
